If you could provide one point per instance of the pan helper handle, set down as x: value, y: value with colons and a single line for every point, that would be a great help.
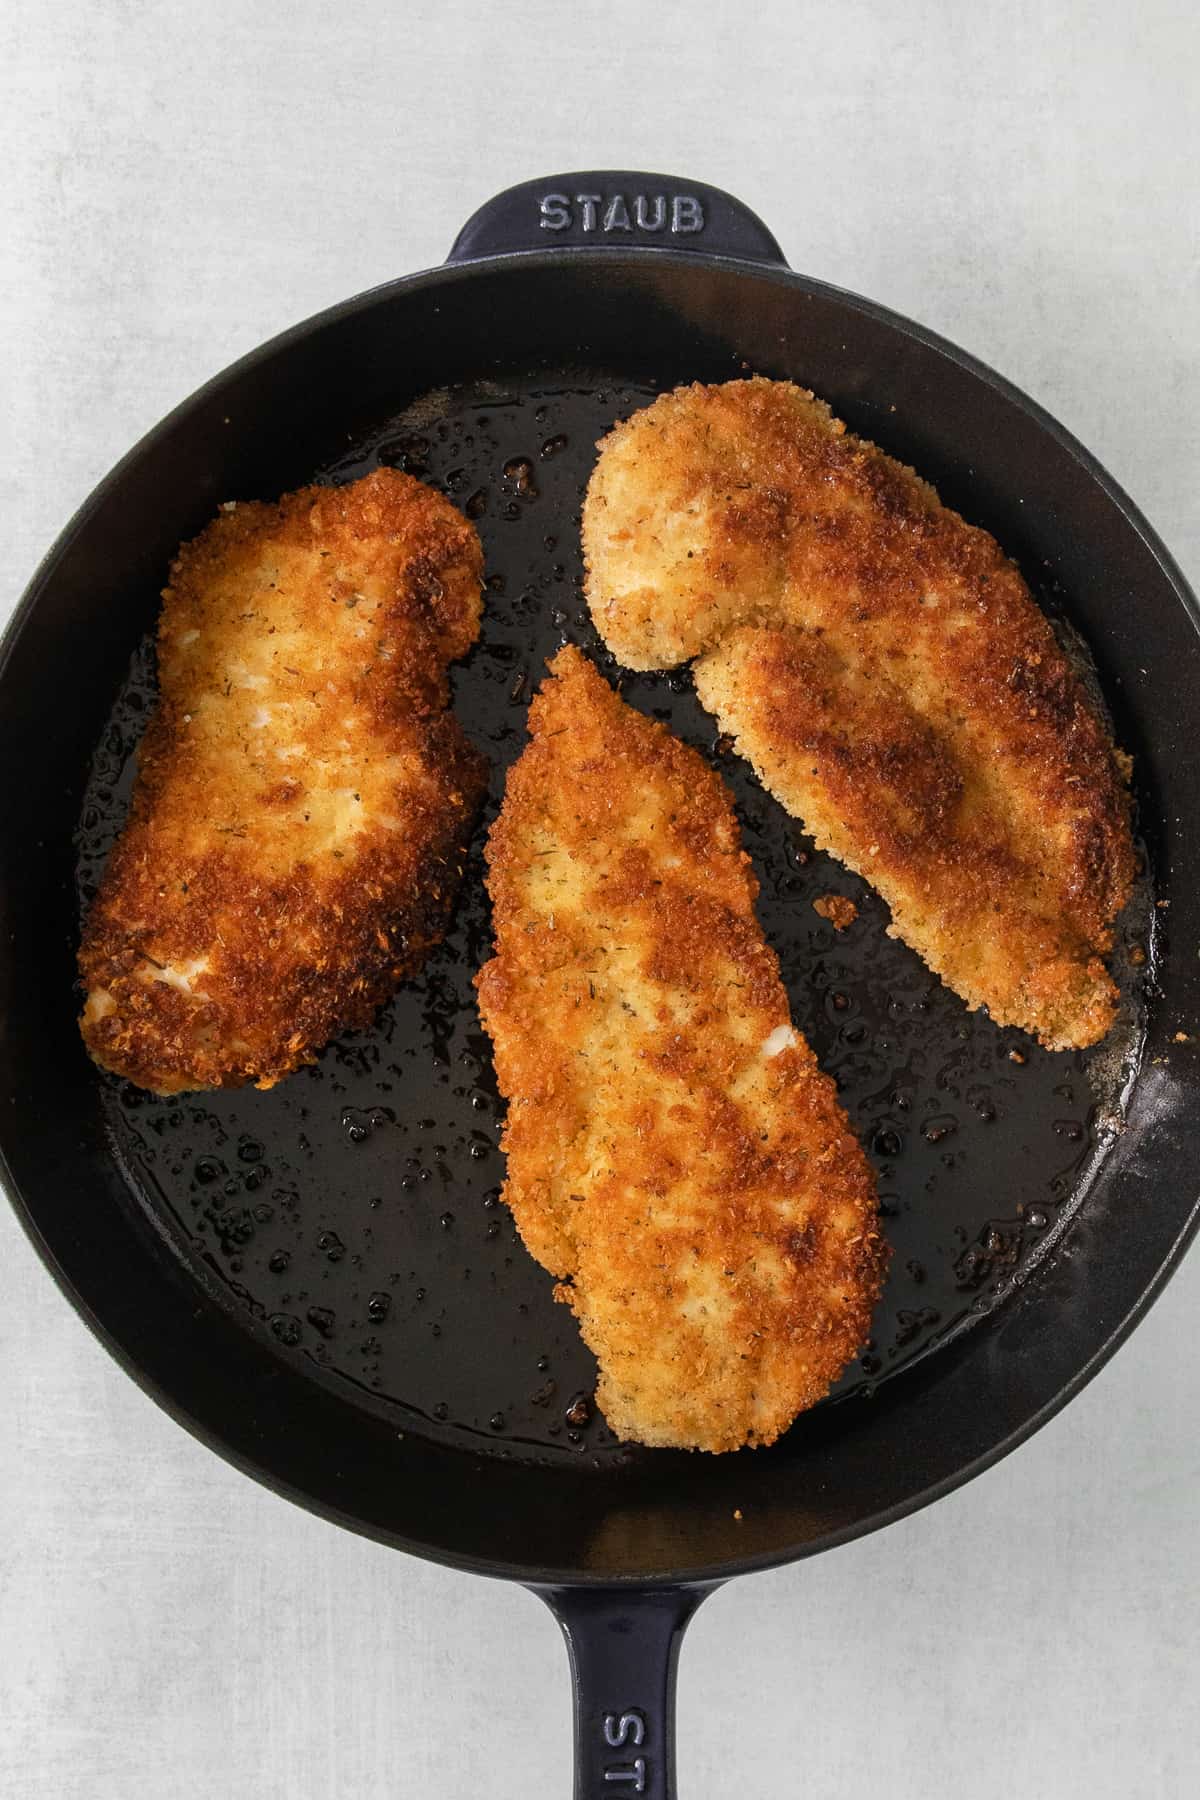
x: 624, y: 1649
x: 615, y: 209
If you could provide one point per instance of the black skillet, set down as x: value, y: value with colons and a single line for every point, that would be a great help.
x: 320, y: 1281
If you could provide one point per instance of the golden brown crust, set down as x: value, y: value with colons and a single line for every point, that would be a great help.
x: 839, y: 909
x: 886, y: 670
x: 303, y: 796
x: 674, y: 1154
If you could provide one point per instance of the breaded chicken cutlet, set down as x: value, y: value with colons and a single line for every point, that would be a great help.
x: 675, y: 1157
x: 303, y: 796
x: 885, y: 669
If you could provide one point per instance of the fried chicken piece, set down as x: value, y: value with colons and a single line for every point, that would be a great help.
x: 303, y: 796
x: 675, y: 1157
x: 885, y: 669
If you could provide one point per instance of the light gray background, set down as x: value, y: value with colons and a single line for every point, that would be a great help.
x: 181, y: 181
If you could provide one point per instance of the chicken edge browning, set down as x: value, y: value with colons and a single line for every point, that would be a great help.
x: 675, y: 1157
x: 303, y: 797
x: 884, y: 668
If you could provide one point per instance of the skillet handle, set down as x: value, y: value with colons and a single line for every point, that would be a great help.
x: 617, y: 209
x: 624, y: 1649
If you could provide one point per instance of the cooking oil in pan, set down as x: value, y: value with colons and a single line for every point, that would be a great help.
x: 353, y: 1212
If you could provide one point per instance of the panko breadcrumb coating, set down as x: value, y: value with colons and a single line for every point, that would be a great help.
x: 303, y: 797
x: 885, y: 669
x: 839, y: 909
x: 675, y: 1157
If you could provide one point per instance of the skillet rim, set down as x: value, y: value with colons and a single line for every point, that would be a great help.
x: 709, y: 1574
x: 779, y: 275
x: 452, y: 271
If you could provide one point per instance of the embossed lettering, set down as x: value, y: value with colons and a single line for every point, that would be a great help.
x: 607, y: 213
x: 556, y: 212
x: 629, y: 1728
x: 635, y: 1773
x: 687, y: 214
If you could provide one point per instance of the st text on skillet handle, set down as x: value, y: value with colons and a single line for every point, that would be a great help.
x: 624, y: 1648
x: 616, y: 209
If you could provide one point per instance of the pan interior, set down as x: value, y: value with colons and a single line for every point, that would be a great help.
x: 351, y: 1216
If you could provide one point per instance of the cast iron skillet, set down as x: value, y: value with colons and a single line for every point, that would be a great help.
x: 319, y: 1281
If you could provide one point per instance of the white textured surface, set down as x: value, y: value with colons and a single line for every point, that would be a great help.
x: 181, y: 181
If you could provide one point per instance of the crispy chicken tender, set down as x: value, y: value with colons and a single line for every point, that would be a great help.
x: 674, y: 1155
x: 303, y: 796
x: 883, y: 666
